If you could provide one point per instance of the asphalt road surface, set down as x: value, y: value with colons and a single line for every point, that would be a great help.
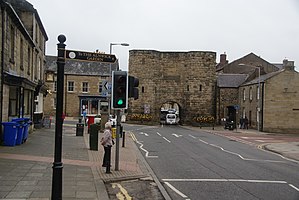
x: 198, y: 165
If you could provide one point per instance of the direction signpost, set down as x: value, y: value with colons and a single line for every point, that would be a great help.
x: 89, y: 56
x: 62, y: 55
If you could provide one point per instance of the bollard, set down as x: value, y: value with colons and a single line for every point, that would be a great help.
x: 93, y: 137
x: 108, y: 164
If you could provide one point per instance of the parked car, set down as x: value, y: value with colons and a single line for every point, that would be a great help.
x: 171, y: 119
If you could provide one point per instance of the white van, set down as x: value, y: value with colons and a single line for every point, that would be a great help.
x: 171, y: 119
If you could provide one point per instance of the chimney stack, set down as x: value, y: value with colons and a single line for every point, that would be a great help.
x: 288, y: 65
x: 223, y: 60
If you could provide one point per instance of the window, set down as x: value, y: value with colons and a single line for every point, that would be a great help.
x: 27, y: 102
x: 142, y: 89
x: 244, y: 94
x: 100, y: 87
x: 55, y: 86
x: 187, y: 87
x: 200, y: 87
x: 12, y: 44
x: 29, y: 59
x: 13, y: 101
x: 21, y: 54
x: 257, y: 92
x: 250, y: 93
x: 84, y: 86
x: 70, y: 87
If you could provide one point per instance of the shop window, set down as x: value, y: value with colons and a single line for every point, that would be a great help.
x: 91, y: 106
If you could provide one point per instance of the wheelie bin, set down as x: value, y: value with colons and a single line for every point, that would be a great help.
x: 20, y: 133
x: 21, y: 129
x: 10, y: 133
x: 28, y: 122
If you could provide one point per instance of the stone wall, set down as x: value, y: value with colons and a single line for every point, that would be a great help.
x: 226, y: 97
x: 187, y: 78
x: 281, y: 103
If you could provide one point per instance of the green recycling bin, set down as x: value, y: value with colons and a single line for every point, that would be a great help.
x: 94, y: 137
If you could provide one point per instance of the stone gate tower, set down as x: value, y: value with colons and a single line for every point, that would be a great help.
x: 186, y: 78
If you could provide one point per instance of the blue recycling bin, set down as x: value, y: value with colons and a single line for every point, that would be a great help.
x: 10, y: 133
x: 24, y: 127
x: 20, y: 133
x: 27, y: 124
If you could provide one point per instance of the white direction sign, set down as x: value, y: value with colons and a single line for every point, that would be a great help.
x: 106, y: 87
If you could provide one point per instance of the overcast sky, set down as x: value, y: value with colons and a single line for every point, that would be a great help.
x: 268, y: 28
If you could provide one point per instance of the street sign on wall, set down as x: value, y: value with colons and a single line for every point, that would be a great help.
x: 89, y: 56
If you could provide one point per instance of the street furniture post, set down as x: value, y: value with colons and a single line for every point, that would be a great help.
x: 57, y: 164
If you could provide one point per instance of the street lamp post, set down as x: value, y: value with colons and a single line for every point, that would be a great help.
x: 117, y: 115
x: 110, y: 70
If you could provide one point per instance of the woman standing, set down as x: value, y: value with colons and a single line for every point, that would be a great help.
x: 106, y: 141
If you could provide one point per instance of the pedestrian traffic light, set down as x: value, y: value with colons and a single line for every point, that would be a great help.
x: 119, y: 94
x: 133, y: 87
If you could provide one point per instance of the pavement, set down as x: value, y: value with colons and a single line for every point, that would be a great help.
x: 26, y: 169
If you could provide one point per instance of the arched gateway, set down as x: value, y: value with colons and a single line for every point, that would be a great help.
x: 186, y: 78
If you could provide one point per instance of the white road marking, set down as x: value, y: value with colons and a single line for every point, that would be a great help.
x: 176, y: 135
x: 159, y: 134
x: 240, y: 156
x: 192, y: 136
x: 142, y: 133
x: 141, y: 146
x: 175, y: 190
x: 203, y: 141
x: 230, y: 180
x: 166, y: 139
x: 294, y: 187
x: 223, y: 180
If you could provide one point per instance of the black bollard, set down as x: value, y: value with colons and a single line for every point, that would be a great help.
x: 108, y: 163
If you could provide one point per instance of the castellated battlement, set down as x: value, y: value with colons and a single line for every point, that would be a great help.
x: 185, y: 78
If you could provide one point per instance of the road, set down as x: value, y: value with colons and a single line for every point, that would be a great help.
x: 193, y: 164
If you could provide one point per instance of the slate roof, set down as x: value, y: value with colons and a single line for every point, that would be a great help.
x: 231, y: 80
x: 75, y: 67
x: 263, y: 78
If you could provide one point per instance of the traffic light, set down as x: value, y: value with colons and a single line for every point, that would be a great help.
x: 133, y: 87
x: 119, y: 94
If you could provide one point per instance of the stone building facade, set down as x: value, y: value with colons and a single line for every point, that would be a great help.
x: 230, y: 76
x: 83, y: 86
x: 275, y: 107
x: 23, y: 39
x: 187, y: 79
